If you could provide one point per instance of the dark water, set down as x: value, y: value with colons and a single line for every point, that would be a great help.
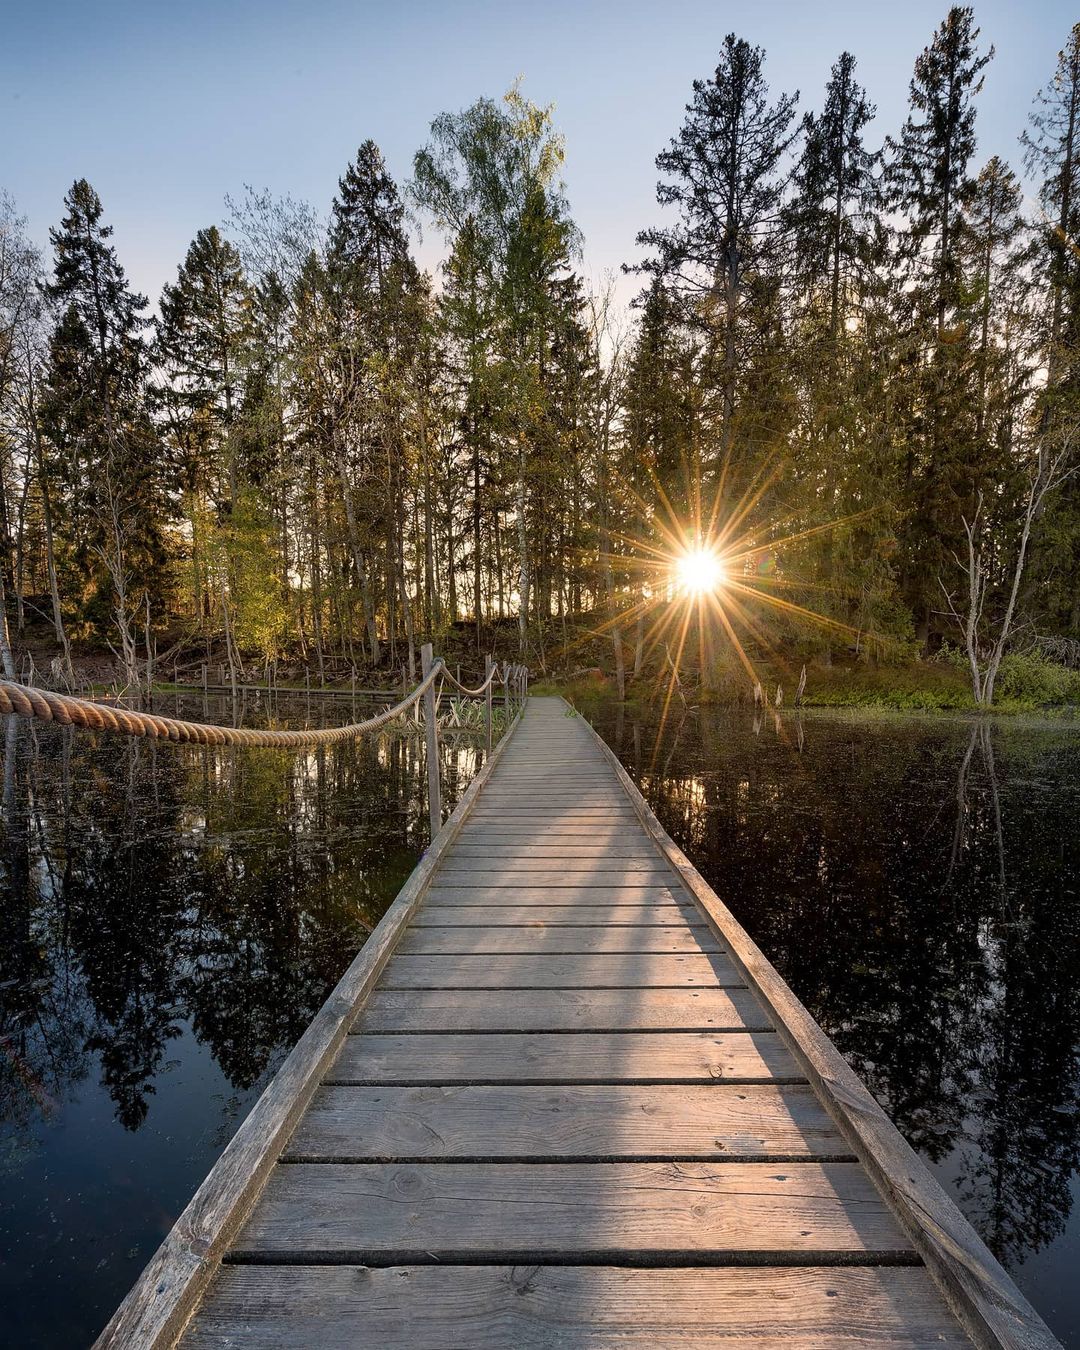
x: 917, y: 882
x: 171, y: 918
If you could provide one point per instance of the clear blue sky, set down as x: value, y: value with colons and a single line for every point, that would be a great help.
x: 166, y: 107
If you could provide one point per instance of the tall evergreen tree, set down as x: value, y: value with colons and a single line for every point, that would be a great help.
x: 930, y: 181
x: 1052, y: 146
x: 203, y: 334
x: 723, y: 176
x: 110, y: 463
x: 834, y: 214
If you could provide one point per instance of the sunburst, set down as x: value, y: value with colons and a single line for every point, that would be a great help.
x: 717, y: 577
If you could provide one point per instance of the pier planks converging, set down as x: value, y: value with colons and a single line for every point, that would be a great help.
x: 575, y: 1107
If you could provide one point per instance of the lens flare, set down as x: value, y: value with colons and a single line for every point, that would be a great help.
x: 699, y: 571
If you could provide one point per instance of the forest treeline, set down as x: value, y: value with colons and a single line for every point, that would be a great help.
x: 853, y: 363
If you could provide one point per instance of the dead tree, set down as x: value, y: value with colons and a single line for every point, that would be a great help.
x: 1052, y: 468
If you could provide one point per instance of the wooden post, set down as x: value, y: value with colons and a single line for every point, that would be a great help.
x: 488, y: 663
x: 506, y: 692
x: 204, y: 679
x: 431, y: 729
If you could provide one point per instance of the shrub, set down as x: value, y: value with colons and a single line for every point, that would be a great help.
x: 1028, y: 677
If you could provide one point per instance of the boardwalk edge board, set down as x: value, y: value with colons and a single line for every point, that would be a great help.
x: 989, y: 1305
x: 157, y: 1307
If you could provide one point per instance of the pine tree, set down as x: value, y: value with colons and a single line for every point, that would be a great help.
x: 834, y: 215
x: 113, y: 474
x: 374, y: 282
x: 1052, y: 146
x: 930, y: 184
x: 929, y: 169
x: 1053, y: 152
x: 202, y: 339
x: 838, y: 246
x: 723, y: 175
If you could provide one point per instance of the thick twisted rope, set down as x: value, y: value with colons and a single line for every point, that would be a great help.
x: 80, y: 712
x: 480, y: 689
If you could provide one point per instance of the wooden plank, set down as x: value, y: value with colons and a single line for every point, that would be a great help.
x: 575, y: 1308
x: 565, y: 816
x: 613, y: 916
x: 172, y: 1282
x: 607, y: 794
x: 565, y: 1010
x: 716, y: 1213
x: 627, y: 1057
x: 581, y: 970
x: 990, y: 1305
x: 607, y: 1123
x: 463, y: 892
x: 512, y: 851
x: 573, y: 837
x: 561, y: 940
x: 532, y: 870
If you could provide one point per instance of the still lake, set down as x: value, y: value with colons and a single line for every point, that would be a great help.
x: 171, y: 918
x: 916, y: 880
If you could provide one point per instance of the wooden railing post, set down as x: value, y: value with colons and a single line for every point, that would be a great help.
x: 506, y: 691
x: 431, y: 728
x: 488, y: 663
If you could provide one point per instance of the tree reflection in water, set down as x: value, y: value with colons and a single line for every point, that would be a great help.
x: 916, y: 882
x: 169, y: 914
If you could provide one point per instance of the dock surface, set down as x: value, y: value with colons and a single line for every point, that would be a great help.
x: 566, y: 1115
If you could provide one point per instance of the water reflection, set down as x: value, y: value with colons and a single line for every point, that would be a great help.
x: 171, y: 919
x: 916, y: 882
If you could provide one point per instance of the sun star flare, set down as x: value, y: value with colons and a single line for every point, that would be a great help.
x: 700, y: 571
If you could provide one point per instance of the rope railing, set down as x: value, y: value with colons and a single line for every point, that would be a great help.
x: 46, y: 705
x: 493, y: 671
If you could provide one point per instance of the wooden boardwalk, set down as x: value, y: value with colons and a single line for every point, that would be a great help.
x: 576, y: 1108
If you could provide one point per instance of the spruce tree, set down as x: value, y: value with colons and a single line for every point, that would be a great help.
x: 113, y: 474
x: 723, y: 175
x: 834, y: 214
x: 203, y: 335
x: 930, y: 181
x: 1052, y: 146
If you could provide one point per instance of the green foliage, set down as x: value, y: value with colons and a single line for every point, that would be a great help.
x: 1029, y: 678
x: 248, y: 546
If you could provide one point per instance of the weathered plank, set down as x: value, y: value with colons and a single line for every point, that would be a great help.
x: 575, y: 1308
x: 512, y: 850
x: 565, y: 1010
x: 538, y: 871
x: 484, y: 914
x: 462, y: 891
x: 580, y: 1122
x: 572, y: 836
x: 623, y: 1057
x: 720, y: 1213
x: 562, y: 817
x: 578, y: 970
x: 543, y: 939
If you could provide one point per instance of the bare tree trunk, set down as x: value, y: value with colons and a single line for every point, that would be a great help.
x: 5, y: 639
x: 524, y: 576
x: 357, y: 553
